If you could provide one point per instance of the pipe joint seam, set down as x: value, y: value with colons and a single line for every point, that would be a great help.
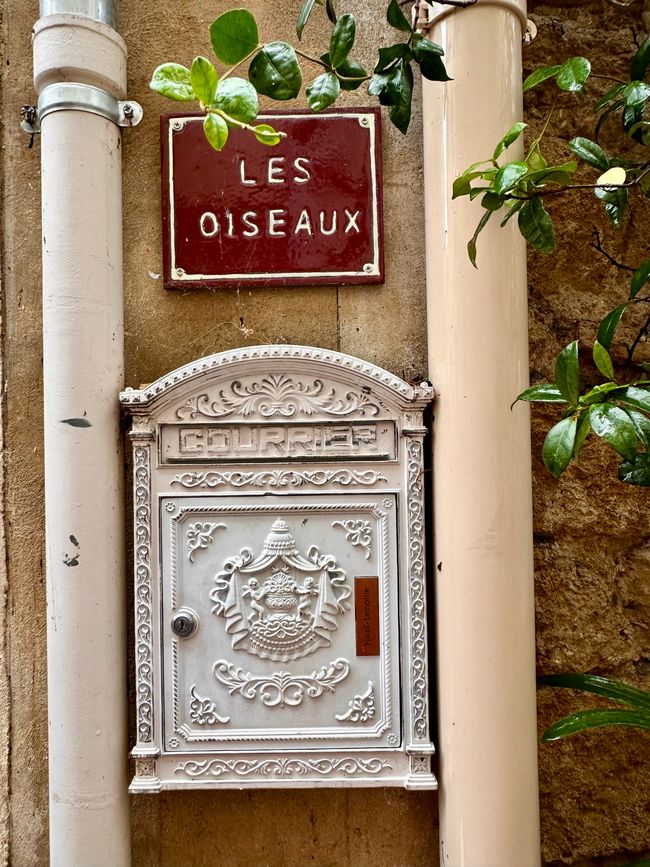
x: 438, y: 12
x: 71, y: 96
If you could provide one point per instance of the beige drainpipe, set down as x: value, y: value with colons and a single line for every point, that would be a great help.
x: 478, y: 354
x: 75, y: 44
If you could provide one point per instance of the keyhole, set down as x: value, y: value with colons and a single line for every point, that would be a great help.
x: 184, y: 624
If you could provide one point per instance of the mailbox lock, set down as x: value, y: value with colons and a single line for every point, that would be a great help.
x: 185, y: 623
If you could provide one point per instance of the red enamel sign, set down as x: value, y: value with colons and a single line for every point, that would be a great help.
x: 305, y: 212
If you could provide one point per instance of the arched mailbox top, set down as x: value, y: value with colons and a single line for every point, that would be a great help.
x: 276, y: 381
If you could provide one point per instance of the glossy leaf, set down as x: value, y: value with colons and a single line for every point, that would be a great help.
x: 614, y: 425
x: 607, y: 97
x: 173, y: 81
x: 545, y: 393
x: 323, y: 91
x: 237, y: 98
x: 351, y: 75
x: 508, y: 177
x: 640, y: 278
x: 636, y: 93
x: 597, y: 718
x: 513, y: 207
x: 535, y: 159
x: 608, y: 326
x: 610, y: 110
x: 590, y: 152
x: 204, y: 78
x: 303, y: 17
x: 234, y: 36
x: 331, y: 14
x: 603, y: 686
x: 275, y: 71
x: 637, y: 471
x: 265, y: 134
x: 567, y: 373
x: 603, y: 360
x: 471, y: 244
x: 573, y: 74
x: 400, y: 111
x: 511, y: 136
x: 640, y: 61
x: 387, y: 57
x: 582, y: 432
x: 396, y: 17
x: 600, y: 393
x: 538, y: 76
x: 342, y: 39
x: 428, y: 55
x: 536, y: 226
x: 637, y: 398
x: 216, y: 131
x: 491, y: 201
x: 557, y: 450
x: 641, y: 423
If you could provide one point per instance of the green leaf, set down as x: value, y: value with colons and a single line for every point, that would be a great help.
x: 323, y: 91
x: 511, y: 136
x: 608, y: 326
x: 538, y: 76
x: 513, y: 207
x: 609, y: 96
x: 640, y: 278
x: 216, y: 131
x: 582, y: 432
x: 303, y: 17
x: 615, y: 202
x: 234, y: 36
x: 640, y: 61
x: 471, y: 244
x: 342, y: 39
x: 567, y: 373
x: 573, y: 74
x: 592, y: 719
x: 601, y: 120
x: 396, y: 17
x: 400, y: 112
x: 491, y: 201
x: 637, y: 471
x: 614, y: 690
x: 204, y: 78
x: 638, y: 398
x: 173, y: 81
x: 508, y: 177
x: 428, y: 55
x: 388, y: 56
x: 536, y: 226
x: 462, y: 185
x: 546, y: 392
x: 275, y: 72
x: 558, y: 446
x: 599, y: 393
x: 603, y: 360
x: 590, y: 152
x: 350, y: 70
x: 535, y: 159
x: 237, y: 98
x: 641, y: 423
x: 614, y: 425
x: 331, y: 14
x: 636, y: 93
x: 266, y: 135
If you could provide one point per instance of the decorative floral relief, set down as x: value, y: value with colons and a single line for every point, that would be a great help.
x: 417, y: 590
x: 145, y: 768
x: 281, y: 689
x: 357, y: 533
x: 277, y: 478
x: 277, y: 395
x: 143, y: 611
x: 420, y: 764
x: 361, y: 707
x: 268, y: 612
x: 203, y: 712
x: 282, y: 767
x: 199, y: 535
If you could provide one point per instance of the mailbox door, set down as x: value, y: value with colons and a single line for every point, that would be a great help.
x: 279, y: 622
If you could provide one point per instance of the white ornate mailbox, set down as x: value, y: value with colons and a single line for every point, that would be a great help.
x: 280, y: 598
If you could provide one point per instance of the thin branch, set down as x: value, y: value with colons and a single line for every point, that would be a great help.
x: 643, y: 333
x: 237, y: 65
x: 598, y: 246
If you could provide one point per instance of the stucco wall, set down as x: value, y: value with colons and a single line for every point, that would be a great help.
x: 593, y: 568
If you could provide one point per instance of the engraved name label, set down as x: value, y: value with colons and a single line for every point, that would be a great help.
x: 366, y: 613
x: 205, y: 443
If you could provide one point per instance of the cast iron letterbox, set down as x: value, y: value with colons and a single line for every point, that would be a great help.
x: 280, y: 600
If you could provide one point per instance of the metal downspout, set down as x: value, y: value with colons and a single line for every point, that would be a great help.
x: 478, y: 355
x: 75, y: 43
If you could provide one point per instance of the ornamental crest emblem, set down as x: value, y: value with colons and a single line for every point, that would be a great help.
x: 280, y: 605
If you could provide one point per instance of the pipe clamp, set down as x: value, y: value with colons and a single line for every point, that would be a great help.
x: 70, y: 96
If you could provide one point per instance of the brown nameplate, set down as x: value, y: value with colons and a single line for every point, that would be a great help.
x: 366, y: 613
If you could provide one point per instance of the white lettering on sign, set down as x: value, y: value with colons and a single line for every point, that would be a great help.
x: 276, y: 221
x: 276, y: 171
x: 277, y: 442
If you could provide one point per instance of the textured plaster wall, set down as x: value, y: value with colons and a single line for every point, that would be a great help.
x: 593, y: 563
